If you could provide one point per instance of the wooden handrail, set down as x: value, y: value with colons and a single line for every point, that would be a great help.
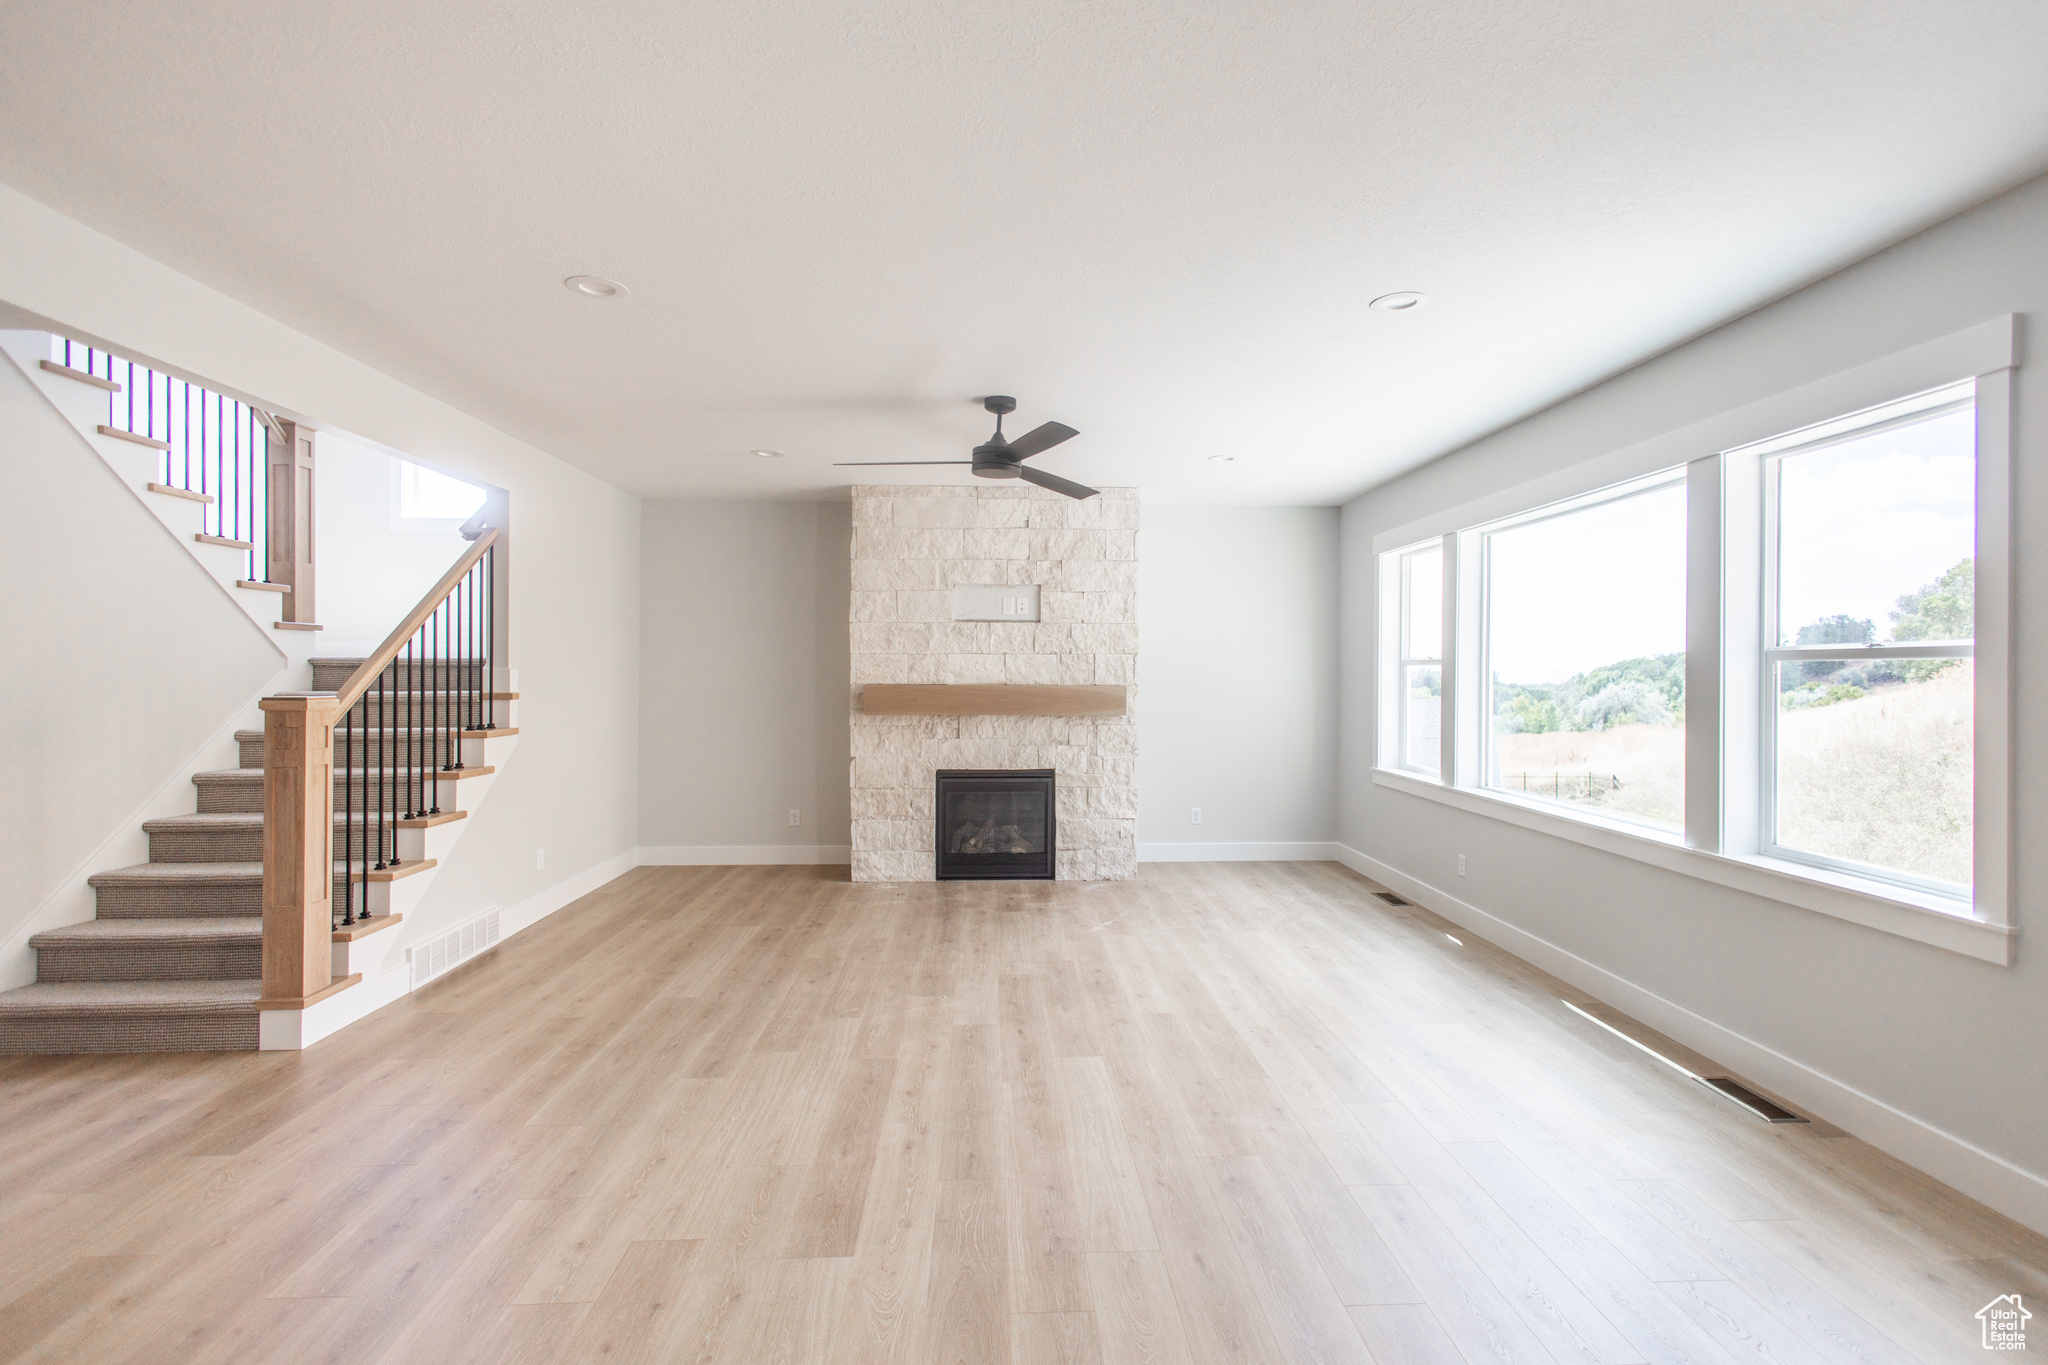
x: 367, y: 671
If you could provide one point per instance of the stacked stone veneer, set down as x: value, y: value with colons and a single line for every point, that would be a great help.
x: 911, y: 546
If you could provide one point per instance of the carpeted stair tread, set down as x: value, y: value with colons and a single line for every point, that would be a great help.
x: 254, y: 776
x: 217, y: 1015
x: 196, y: 928
x: 179, y: 874
x: 194, y: 890
x: 51, y: 998
x: 194, y: 948
x: 235, y: 821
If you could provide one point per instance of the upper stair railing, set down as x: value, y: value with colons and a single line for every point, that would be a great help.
x: 346, y: 771
x: 252, y: 470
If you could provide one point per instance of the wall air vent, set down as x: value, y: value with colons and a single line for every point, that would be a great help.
x: 444, y: 951
x: 1391, y: 899
x: 1750, y: 1100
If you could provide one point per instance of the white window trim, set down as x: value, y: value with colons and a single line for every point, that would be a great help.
x: 1725, y: 640
x: 1392, y: 735
x: 1769, y: 714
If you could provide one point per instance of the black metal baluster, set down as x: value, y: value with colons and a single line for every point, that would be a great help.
x: 348, y: 828
x: 490, y: 624
x: 432, y: 681
x: 476, y: 710
x: 387, y: 760
x: 454, y: 669
x: 373, y: 756
x: 402, y: 740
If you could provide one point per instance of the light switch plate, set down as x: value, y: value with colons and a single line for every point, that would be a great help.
x: 995, y: 602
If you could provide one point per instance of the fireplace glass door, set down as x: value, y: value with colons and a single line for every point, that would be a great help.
x: 995, y: 826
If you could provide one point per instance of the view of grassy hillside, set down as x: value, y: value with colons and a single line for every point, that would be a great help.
x: 1884, y: 778
x: 1874, y: 758
x: 1646, y: 761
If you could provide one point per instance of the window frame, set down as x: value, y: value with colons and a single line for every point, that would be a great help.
x: 1721, y: 460
x: 1486, y: 763
x: 1772, y: 456
x: 1404, y: 635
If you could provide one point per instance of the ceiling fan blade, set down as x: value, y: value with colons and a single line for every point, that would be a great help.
x: 849, y: 464
x: 1056, y: 483
x: 1040, y: 438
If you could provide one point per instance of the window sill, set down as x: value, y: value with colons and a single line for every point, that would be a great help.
x: 1894, y: 910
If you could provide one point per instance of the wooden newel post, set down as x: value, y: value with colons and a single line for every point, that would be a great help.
x: 298, y: 848
x: 291, y: 518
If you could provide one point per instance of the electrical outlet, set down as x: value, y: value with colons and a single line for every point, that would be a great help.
x: 796, y: 817
x: 540, y: 859
x: 1194, y: 815
x: 1461, y: 864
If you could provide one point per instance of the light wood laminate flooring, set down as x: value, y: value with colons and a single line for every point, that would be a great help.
x: 1225, y: 1113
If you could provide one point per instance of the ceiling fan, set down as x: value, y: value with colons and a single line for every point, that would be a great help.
x: 1000, y: 458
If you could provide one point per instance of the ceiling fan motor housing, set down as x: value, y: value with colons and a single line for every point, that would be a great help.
x: 992, y: 461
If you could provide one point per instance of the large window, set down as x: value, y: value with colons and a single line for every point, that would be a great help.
x: 1870, y: 547
x: 1585, y: 654
x: 1779, y: 638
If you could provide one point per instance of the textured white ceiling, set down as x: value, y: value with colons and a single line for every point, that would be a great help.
x: 1157, y: 222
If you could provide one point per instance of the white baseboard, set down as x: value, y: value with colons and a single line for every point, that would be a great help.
x: 295, y: 1030
x: 1238, y: 853
x: 2017, y: 1193
x: 743, y: 855
x: 541, y: 904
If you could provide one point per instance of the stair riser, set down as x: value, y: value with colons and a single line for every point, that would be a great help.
x: 150, y: 962
x: 246, y: 798
x: 185, y: 845
x: 233, y: 1030
x: 331, y: 676
x: 185, y: 902
x: 206, y: 846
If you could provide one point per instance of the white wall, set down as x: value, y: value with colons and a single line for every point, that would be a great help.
x: 373, y: 566
x: 1237, y: 707
x: 743, y: 679
x: 573, y: 557
x: 1939, y: 1057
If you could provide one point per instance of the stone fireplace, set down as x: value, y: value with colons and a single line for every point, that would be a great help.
x: 912, y: 546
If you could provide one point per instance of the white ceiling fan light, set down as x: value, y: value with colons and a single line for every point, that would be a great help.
x: 594, y: 287
x: 767, y: 454
x: 1405, y: 301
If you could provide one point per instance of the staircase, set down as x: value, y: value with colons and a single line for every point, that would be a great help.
x: 173, y: 960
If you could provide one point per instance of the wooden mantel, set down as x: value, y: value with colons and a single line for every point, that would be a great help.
x: 989, y: 699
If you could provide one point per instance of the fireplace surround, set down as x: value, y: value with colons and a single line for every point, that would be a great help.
x: 912, y: 547
x: 995, y: 825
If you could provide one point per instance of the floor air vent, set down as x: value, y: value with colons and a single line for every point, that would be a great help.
x: 458, y: 945
x: 1750, y: 1100
x: 1391, y: 899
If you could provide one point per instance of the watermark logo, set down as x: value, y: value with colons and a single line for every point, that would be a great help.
x: 2005, y: 1323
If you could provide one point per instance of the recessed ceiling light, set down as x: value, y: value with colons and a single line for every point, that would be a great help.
x: 1404, y: 302
x: 1221, y: 459
x: 595, y: 287
x: 769, y: 454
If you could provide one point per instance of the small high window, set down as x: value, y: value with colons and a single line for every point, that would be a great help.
x: 428, y: 494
